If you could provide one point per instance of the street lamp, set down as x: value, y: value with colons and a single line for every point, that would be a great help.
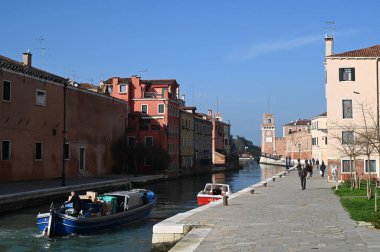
x: 299, y: 151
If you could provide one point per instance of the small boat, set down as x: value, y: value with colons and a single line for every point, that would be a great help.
x: 213, y: 192
x: 99, y: 213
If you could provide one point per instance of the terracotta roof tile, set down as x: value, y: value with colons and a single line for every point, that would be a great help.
x: 373, y: 51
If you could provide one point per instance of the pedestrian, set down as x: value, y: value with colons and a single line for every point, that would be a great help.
x: 309, y: 168
x: 323, y: 168
x: 302, y: 173
x: 77, y: 203
x: 317, y: 163
x: 313, y: 161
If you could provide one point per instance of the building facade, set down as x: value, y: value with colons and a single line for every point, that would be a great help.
x: 187, y: 134
x: 52, y: 129
x: 268, y: 134
x: 352, y: 93
x: 154, y: 119
x: 298, y: 139
x: 203, y: 142
x: 319, y: 137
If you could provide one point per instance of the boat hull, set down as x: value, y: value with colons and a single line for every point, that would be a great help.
x: 63, y: 224
x: 206, y: 199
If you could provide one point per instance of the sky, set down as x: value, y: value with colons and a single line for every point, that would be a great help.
x: 242, y: 58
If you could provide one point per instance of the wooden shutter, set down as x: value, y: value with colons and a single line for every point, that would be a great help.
x: 340, y: 74
x: 353, y: 74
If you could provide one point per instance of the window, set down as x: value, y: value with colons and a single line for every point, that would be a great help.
x: 123, y: 88
x: 347, y: 108
x: 131, y: 141
x: 346, y: 165
x: 268, y: 120
x: 326, y: 140
x: 6, y: 91
x: 348, y: 137
x: 5, y: 150
x: 372, y: 164
x: 148, y: 161
x: 155, y: 127
x: 149, y: 141
x: 66, y: 151
x: 161, y: 108
x: 144, y: 124
x: 144, y: 108
x: 40, y: 97
x: 38, y: 151
x: 346, y: 74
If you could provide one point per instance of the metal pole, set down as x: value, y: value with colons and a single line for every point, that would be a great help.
x: 63, y: 177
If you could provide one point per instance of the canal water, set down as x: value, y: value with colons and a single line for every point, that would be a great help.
x: 18, y: 231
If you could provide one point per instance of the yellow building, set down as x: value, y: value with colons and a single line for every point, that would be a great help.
x: 187, y: 139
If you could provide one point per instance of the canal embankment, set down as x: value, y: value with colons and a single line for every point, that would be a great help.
x: 276, y: 216
x: 18, y: 195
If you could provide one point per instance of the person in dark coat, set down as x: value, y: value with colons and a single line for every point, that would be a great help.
x: 323, y: 168
x: 302, y: 173
x: 77, y: 203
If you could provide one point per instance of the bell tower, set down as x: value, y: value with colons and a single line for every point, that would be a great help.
x: 268, y: 144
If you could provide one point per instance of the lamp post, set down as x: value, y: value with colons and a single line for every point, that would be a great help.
x: 299, y: 151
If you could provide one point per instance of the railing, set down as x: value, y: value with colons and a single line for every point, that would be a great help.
x: 275, y: 157
x: 152, y: 95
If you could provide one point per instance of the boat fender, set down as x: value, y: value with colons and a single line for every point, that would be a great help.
x: 145, y: 198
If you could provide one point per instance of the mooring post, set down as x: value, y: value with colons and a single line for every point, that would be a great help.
x: 225, y: 200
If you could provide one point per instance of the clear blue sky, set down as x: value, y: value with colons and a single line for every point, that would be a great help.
x: 241, y: 52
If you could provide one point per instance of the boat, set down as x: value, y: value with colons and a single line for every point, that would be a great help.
x: 212, y: 192
x: 99, y: 213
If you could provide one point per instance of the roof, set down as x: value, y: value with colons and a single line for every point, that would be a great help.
x: 19, y: 67
x: 373, y: 51
x: 153, y: 82
x: 299, y: 122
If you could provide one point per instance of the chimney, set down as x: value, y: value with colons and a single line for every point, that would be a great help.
x: 329, y: 41
x: 27, y: 58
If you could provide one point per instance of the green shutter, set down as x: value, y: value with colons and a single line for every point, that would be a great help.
x: 353, y: 74
x: 340, y: 74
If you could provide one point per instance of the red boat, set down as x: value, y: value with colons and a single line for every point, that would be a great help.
x: 213, y: 192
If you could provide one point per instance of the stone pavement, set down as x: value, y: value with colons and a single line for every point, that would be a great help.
x: 279, y: 217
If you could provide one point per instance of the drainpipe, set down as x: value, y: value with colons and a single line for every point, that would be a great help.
x: 64, y: 132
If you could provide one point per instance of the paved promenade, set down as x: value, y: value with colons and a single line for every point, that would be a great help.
x: 279, y: 217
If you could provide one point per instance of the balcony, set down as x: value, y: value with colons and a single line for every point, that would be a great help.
x: 152, y: 95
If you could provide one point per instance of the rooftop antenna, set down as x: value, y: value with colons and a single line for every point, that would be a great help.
x: 217, y: 104
x: 331, y: 27
x: 43, y: 48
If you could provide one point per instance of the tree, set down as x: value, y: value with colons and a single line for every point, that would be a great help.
x: 349, y: 145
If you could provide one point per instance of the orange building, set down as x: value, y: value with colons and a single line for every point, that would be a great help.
x: 50, y: 128
x: 154, y: 118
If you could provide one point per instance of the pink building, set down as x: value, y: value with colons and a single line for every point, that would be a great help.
x: 50, y: 128
x: 154, y: 118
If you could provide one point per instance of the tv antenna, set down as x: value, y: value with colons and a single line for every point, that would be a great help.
x: 41, y: 39
x: 331, y: 27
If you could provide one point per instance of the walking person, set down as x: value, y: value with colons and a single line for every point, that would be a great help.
x: 317, y: 163
x: 302, y: 173
x: 309, y: 168
x: 323, y: 168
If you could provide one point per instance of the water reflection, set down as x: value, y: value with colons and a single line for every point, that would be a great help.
x: 18, y: 231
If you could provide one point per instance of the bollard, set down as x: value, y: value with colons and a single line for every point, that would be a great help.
x: 225, y: 200
x: 265, y: 184
x: 274, y: 179
x: 280, y: 175
x: 252, y: 191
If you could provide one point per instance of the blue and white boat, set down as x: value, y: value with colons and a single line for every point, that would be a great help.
x: 107, y: 211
